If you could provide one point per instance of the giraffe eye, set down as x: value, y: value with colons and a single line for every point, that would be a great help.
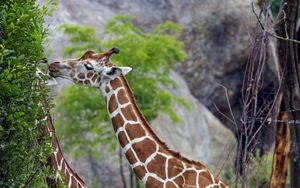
x: 88, y: 67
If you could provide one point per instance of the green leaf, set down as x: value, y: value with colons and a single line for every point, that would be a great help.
x: 23, y: 158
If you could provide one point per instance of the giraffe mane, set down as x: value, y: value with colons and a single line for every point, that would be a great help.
x: 148, y: 127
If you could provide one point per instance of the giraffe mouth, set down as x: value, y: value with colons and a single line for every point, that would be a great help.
x: 51, y: 81
x: 53, y: 74
x: 53, y: 70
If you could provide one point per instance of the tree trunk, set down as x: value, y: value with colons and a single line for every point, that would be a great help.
x: 281, y: 151
x: 121, y: 169
x: 287, y: 55
x: 130, y: 176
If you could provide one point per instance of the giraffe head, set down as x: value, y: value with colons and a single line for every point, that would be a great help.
x: 91, y: 69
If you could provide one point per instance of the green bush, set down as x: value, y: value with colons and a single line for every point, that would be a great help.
x: 23, y: 156
x: 258, y: 172
x: 82, y: 115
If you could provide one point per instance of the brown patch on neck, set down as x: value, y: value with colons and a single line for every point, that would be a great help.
x: 152, y: 182
x: 116, y: 83
x: 179, y: 181
x: 112, y: 104
x: 129, y: 113
x: 171, y: 185
x: 192, y: 176
x: 130, y: 156
x: 174, y: 167
x: 205, y: 179
x: 144, y: 149
x: 122, y: 97
x: 135, y: 131
x: 122, y: 139
x: 140, y: 171
x: 157, y: 166
x: 117, y: 122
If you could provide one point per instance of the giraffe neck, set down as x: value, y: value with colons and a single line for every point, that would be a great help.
x: 149, y: 157
x: 59, y: 163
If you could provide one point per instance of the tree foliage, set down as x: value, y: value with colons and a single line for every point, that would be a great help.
x: 81, y: 38
x: 22, y: 155
x: 258, y: 173
x: 84, y: 122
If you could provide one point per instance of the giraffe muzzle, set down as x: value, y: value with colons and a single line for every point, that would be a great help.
x: 54, y: 69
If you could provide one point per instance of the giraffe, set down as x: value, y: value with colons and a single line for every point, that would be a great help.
x: 151, y: 160
x: 58, y: 163
x: 56, y: 159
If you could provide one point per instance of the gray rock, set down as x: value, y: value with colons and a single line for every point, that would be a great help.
x: 218, y: 45
x: 215, y: 33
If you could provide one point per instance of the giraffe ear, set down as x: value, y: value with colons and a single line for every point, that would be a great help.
x: 125, y: 70
x: 113, y: 72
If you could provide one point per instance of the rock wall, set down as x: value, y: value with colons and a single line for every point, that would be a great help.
x: 215, y: 33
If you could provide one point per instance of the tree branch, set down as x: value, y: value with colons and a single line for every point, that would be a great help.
x: 287, y: 38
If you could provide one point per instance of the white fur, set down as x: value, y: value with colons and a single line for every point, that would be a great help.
x: 125, y: 70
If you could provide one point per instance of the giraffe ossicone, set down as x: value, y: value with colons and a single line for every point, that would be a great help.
x: 151, y: 160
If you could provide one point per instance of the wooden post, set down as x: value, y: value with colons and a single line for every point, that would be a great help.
x: 281, y: 151
x: 288, y: 60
